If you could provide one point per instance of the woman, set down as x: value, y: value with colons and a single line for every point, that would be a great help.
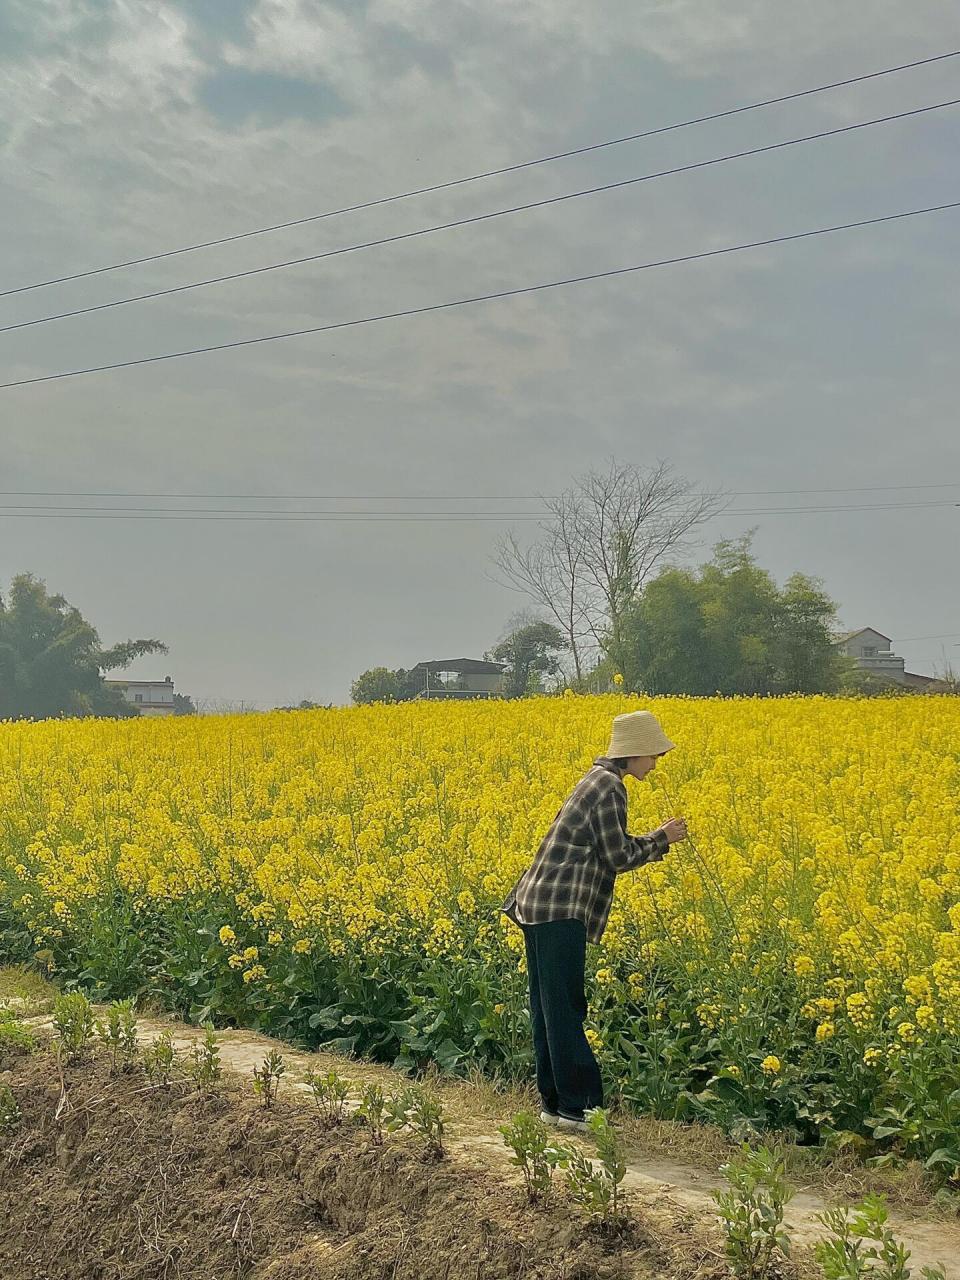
x: 563, y: 900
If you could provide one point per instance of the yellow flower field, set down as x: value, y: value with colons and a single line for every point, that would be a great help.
x: 335, y: 876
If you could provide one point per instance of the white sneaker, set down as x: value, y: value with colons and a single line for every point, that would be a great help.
x: 550, y: 1117
x: 572, y: 1126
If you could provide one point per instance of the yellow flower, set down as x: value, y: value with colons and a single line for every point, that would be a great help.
x: 618, y: 679
x: 254, y: 973
x: 826, y: 1031
x: 843, y: 879
x: 499, y: 1010
x: 465, y: 901
x: 737, y: 1074
x: 593, y: 1038
x: 872, y: 1056
x: 771, y: 1064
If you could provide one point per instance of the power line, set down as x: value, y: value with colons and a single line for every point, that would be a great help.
x: 474, y: 219
x: 868, y: 488
x: 416, y: 497
x: 877, y: 506
x: 269, y: 511
x: 288, y: 497
x: 483, y: 297
x: 363, y: 517
x: 432, y: 517
x: 489, y: 173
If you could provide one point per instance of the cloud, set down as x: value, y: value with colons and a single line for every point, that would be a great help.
x: 237, y: 96
x: 133, y: 128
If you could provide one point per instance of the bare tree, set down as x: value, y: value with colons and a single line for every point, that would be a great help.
x: 553, y: 571
x: 600, y: 543
x: 634, y: 521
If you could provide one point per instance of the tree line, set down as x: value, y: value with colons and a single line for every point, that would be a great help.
x: 52, y: 662
x: 613, y: 602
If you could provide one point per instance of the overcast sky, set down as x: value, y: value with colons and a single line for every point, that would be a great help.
x: 128, y: 128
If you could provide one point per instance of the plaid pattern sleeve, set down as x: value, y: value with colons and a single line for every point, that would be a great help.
x: 621, y: 851
x: 586, y: 848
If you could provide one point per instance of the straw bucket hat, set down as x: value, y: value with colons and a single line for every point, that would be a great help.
x: 638, y: 733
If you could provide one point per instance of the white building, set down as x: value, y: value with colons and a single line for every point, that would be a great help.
x: 872, y: 653
x: 150, y: 697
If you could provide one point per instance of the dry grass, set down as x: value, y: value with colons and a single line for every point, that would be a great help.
x: 24, y: 993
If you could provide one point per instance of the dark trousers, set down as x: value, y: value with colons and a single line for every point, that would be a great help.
x: 567, y: 1073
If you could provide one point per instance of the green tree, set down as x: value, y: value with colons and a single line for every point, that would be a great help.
x: 183, y: 705
x: 379, y: 684
x: 727, y: 628
x: 531, y: 651
x: 741, y: 608
x: 665, y: 638
x: 51, y: 658
x: 809, y: 660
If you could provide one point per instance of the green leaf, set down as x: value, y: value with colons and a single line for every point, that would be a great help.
x: 448, y: 1055
x: 342, y: 1045
x: 327, y: 1018
x: 947, y: 1157
x: 887, y: 1130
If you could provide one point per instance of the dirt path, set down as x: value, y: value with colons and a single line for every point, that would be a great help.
x: 676, y: 1193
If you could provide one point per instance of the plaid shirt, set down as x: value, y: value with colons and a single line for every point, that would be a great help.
x: 586, y: 848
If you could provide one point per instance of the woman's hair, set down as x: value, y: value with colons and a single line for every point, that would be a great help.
x: 620, y: 761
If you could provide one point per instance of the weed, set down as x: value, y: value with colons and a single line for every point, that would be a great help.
x: 13, y: 1035
x: 159, y: 1059
x: 862, y: 1245
x: 330, y: 1092
x: 751, y: 1210
x: 372, y: 1105
x: 414, y: 1108
x: 118, y: 1031
x: 266, y: 1078
x: 426, y: 1117
x: 533, y: 1153
x: 73, y: 1023
x: 9, y: 1110
x: 205, y: 1068
x: 596, y: 1186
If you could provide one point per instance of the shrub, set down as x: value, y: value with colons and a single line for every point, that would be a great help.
x: 330, y: 1093
x: 118, y: 1031
x: 533, y: 1153
x: 204, y: 1066
x: 596, y: 1186
x: 862, y: 1245
x: 266, y: 1078
x: 751, y: 1211
x: 159, y: 1059
x: 73, y: 1024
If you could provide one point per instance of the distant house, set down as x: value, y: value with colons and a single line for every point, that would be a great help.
x: 458, y: 678
x: 150, y: 697
x: 873, y: 655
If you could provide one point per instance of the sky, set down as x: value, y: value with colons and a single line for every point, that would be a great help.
x: 127, y: 129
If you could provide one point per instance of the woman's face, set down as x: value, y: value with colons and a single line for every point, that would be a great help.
x: 639, y: 766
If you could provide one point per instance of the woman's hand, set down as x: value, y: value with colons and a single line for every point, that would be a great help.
x: 676, y: 830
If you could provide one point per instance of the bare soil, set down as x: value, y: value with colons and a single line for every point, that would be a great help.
x: 110, y: 1179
